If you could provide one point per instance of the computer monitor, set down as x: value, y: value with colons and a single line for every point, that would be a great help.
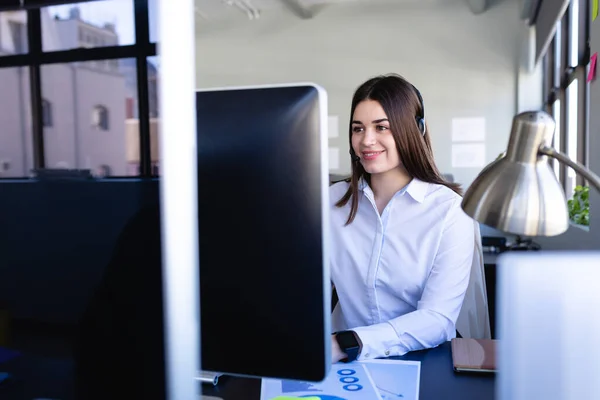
x: 262, y: 231
x: 549, y: 325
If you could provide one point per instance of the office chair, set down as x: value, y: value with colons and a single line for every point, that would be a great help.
x: 474, y: 318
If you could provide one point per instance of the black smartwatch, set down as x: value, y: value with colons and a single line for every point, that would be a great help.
x: 349, y: 343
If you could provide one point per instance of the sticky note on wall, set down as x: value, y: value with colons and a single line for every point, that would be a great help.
x: 594, y: 9
x: 592, y: 71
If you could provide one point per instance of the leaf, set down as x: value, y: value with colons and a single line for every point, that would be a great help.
x: 579, y: 205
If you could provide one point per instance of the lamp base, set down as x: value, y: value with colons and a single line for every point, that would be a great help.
x: 521, y: 244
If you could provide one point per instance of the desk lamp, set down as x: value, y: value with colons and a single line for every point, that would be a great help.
x: 519, y: 193
x: 547, y: 302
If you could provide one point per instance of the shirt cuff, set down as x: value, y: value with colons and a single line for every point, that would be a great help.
x: 378, y: 341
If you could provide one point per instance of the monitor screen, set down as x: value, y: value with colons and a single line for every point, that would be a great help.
x: 262, y: 231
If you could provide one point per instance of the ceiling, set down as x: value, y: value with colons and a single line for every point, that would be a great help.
x: 213, y: 9
x: 210, y: 9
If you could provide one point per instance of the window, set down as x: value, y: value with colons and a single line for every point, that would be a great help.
x: 87, y: 93
x: 16, y: 147
x: 100, y: 118
x: 566, y: 91
x: 574, y: 33
x: 557, y: 67
x: 572, y: 126
x: 557, y: 136
x: 153, y: 19
x: 94, y: 21
x: 46, y: 113
x: 153, y: 77
x: 18, y: 33
x: 91, y: 124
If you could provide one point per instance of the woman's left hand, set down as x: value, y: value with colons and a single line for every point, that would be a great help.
x: 336, y: 352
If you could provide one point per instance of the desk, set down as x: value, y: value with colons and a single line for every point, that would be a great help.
x: 51, y: 378
x: 438, y: 380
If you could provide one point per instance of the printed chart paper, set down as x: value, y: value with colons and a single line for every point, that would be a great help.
x: 395, y: 379
x: 344, y: 382
x: 373, y: 379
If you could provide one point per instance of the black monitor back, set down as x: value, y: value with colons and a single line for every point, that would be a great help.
x: 262, y: 216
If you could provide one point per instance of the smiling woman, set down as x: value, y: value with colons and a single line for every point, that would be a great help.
x: 388, y: 113
x: 402, y: 248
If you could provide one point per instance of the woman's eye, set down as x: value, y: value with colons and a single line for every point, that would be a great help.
x: 382, y: 128
x: 356, y: 129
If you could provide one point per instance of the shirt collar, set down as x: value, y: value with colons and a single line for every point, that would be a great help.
x: 416, y: 188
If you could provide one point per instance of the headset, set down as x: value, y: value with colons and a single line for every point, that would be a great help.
x: 419, y: 118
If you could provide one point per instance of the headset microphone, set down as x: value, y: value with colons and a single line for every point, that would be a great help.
x: 354, y: 157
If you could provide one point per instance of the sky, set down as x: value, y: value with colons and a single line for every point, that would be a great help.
x: 118, y: 12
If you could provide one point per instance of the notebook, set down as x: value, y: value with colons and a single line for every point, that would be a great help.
x: 474, y: 355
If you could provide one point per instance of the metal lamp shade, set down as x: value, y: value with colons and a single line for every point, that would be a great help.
x: 519, y: 193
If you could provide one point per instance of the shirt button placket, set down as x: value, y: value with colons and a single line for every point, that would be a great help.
x: 373, y: 272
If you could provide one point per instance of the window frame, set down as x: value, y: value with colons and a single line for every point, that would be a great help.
x: 555, y: 86
x: 35, y: 58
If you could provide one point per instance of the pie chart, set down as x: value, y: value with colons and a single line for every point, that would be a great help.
x: 324, y: 397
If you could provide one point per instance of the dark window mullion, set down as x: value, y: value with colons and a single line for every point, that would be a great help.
x: 550, y: 71
x: 78, y: 55
x: 34, y: 38
x: 545, y: 86
x: 142, y: 38
x: 568, y: 77
x: 584, y: 33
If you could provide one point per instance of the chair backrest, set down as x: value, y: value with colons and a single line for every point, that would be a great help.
x: 474, y: 318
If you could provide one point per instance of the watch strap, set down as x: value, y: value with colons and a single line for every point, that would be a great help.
x: 352, y: 352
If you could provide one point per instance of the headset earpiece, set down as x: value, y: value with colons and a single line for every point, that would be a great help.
x: 420, y: 118
x: 421, y: 125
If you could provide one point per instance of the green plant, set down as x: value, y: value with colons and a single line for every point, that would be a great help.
x: 579, y: 206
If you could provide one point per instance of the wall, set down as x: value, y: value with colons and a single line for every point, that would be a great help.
x: 529, y: 75
x: 463, y: 64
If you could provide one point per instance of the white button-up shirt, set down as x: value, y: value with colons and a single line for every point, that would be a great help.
x: 400, y: 276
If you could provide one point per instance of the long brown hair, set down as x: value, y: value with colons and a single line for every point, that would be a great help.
x: 400, y: 101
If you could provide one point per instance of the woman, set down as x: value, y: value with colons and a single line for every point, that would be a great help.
x: 402, y: 248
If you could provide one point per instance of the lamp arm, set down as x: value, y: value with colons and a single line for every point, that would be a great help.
x: 591, y: 177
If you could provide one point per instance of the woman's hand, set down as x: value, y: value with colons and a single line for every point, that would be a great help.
x: 336, y: 352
